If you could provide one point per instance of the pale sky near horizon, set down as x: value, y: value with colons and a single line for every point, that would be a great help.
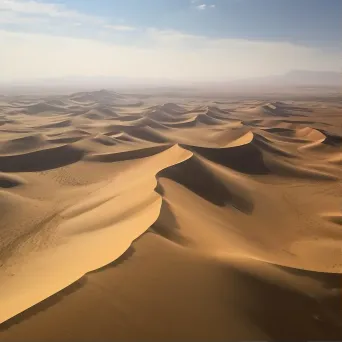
x: 175, y: 39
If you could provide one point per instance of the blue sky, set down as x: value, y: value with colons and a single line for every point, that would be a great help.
x: 314, y: 22
x: 181, y: 39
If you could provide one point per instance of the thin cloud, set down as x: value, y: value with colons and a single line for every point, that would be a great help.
x: 120, y: 27
x: 202, y: 7
x: 8, y: 17
x: 35, y: 8
x: 27, y: 14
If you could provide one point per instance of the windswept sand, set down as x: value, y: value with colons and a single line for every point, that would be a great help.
x: 130, y: 219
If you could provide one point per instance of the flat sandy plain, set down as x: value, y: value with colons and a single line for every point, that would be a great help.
x: 131, y: 217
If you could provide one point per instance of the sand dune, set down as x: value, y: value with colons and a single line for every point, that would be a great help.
x: 336, y: 159
x: 23, y: 144
x: 8, y: 180
x: 43, y: 107
x: 44, y: 159
x: 167, y: 221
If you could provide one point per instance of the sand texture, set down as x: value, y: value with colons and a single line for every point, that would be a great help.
x: 140, y: 218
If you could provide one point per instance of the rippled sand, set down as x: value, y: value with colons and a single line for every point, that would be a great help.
x: 131, y: 218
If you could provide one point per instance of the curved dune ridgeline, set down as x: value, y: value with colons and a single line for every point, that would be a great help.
x: 191, y: 220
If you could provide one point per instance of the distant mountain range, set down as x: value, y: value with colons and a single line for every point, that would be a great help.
x: 296, y: 78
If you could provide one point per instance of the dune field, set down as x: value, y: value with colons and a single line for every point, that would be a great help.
x: 142, y: 218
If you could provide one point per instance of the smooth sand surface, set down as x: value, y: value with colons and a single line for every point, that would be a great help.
x: 197, y: 220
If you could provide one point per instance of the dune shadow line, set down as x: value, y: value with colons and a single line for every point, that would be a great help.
x: 61, y: 295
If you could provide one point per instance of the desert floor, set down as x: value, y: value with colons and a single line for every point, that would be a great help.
x: 131, y: 217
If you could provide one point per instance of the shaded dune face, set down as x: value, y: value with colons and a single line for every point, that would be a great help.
x: 163, y: 221
x: 245, y: 159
